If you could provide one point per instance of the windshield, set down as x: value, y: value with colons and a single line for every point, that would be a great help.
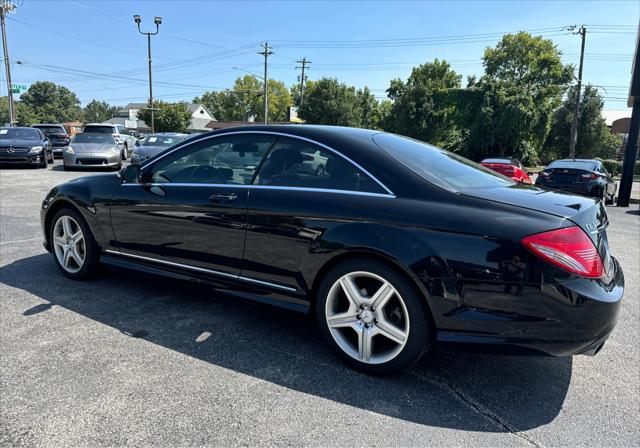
x: 438, y: 166
x: 100, y: 129
x: 19, y: 134
x: 573, y: 165
x: 161, y: 140
x: 104, y: 139
x: 51, y: 129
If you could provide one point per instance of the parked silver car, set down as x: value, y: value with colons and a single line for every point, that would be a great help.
x: 121, y: 134
x: 153, y: 144
x: 92, y: 151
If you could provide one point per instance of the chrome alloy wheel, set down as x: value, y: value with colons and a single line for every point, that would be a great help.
x: 69, y: 244
x: 367, y: 317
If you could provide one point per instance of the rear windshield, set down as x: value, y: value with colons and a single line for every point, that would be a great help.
x: 161, y: 140
x: 19, y: 134
x: 573, y: 165
x: 100, y: 129
x: 51, y: 129
x: 94, y: 138
x: 507, y: 161
x: 438, y: 166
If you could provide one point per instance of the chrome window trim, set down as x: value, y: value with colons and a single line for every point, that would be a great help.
x: 264, y: 187
x: 204, y: 270
x: 280, y: 134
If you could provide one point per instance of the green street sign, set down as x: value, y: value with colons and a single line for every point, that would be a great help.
x: 18, y: 88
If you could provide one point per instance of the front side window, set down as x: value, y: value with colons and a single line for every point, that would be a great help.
x: 222, y: 160
x: 297, y: 163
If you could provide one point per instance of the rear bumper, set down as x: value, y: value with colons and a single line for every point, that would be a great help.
x: 570, y: 318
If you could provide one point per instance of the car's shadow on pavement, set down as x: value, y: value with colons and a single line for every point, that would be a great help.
x: 461, y: 391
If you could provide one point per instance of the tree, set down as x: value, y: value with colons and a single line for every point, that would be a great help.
x: 594, y: 138
x: 423, y: 106
x: 98, y: 111
x: 24, y: 114
x: 330, y: 102
x: 51, y: 103
x: 245, y: 101
x: 514, y: 101
x: 169, y: 118
x: 295, y: 90
x: 370, y: 113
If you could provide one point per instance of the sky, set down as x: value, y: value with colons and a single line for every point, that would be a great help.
x: 94, y: 48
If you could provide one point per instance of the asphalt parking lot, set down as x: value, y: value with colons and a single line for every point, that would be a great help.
x: 128, y: 360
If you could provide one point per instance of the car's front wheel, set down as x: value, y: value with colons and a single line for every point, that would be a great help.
x: 74, y: 249
x: 373, y: 316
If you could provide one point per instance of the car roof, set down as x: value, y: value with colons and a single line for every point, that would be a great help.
x: 577, y: 160
x: 46, y: 124
x: 17, y: 127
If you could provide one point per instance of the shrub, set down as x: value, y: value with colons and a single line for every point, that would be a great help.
x: 612, y: 166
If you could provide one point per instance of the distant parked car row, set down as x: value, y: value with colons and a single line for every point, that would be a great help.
x: 585, y: 177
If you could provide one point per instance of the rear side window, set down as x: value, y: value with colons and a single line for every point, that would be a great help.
x: 297, y: 163
x: 438, y: 166
x: 100, y: 129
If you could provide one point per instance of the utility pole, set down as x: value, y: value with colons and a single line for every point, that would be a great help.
x: 304, y: 63
x: 5, y: 8
x: 157, y: 21
x: 266, y: 52
x: 582, y: 31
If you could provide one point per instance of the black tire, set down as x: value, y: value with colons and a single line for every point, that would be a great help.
x: 92, y: 251
x: 125, y: 151
x: 420, y: 335
x: 45, y: 161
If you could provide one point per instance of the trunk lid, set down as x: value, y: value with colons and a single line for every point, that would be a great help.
x: 588, y: 213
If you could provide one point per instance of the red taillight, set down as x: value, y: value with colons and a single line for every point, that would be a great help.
x: 590, y: 176
x: 569, y: 248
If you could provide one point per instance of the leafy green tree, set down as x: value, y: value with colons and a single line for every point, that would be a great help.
x: 423, y: 106
x: 594, y: 138
x: 514, y: 101
x: 295, y: 90
x: 370, y: 112
x: 171, y: 117
x: 330, y: 102
x: 24, y: 114
x: 51, y: 103
x: 279, y: 101
x: 98, y: 111
x: 245, y: 100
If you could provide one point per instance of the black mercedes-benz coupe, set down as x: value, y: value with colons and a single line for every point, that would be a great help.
x: 394, y: 245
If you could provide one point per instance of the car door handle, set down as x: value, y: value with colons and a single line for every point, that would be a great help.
x: 223, y: 197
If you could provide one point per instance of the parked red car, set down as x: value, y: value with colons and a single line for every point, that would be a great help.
x: 508, y: 167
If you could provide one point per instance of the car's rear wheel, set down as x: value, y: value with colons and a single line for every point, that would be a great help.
x: 73, y: 246
x: 373, y: 316
x: 125, y: 151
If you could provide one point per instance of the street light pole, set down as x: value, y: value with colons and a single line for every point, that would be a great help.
x: 157, y: 21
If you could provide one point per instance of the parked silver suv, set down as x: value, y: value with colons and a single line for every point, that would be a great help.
x: 126, y: 141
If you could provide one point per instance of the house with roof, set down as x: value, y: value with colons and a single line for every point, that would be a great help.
x: 128, y: 115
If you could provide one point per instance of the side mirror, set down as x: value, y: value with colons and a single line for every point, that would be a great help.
x: 137, y: 142
x: 130, y: 174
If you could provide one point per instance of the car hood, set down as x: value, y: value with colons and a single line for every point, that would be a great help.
x: 149, y: 151
x: 555, y: 203
x: 92, y: 147
x: 17, y: 143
